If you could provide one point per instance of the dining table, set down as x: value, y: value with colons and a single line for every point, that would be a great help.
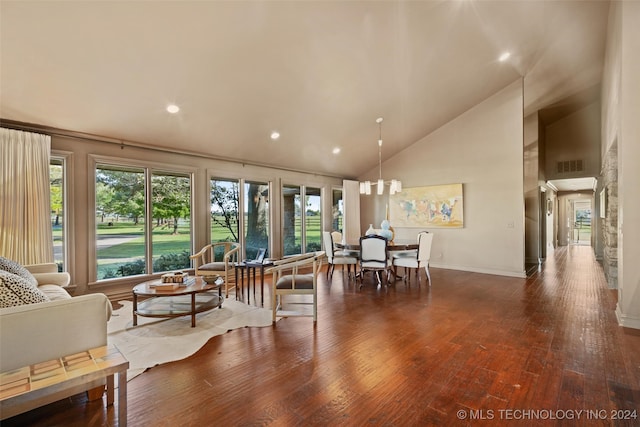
x: 393, y: 248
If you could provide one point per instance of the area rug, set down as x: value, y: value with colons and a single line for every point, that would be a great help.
x: 155, y: 341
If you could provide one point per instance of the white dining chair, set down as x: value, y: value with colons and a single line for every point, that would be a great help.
x: 374, y: 257
x: 338, y: 257
x: 417, y: 260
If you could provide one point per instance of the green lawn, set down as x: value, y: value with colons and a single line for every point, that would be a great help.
x: 164, y: 242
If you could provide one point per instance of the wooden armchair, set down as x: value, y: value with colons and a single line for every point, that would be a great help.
x: 289, y: 280
x: 205, y: 263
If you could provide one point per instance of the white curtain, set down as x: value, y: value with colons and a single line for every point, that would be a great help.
x: 351, y: 197
x: 25, y: 210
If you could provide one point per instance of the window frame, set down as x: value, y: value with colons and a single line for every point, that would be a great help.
x: 149, y: 168
x: 303, y: 218
x: 66, y: 160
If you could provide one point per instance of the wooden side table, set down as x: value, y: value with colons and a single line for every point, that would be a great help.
x: 252, y: 266
x: 32, y: 386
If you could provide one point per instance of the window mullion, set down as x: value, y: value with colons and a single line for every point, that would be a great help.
x: 148, y: 221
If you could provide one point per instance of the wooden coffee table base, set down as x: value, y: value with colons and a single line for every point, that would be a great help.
x: 189, y: 300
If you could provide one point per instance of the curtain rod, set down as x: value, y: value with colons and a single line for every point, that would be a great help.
x: 13, y: 124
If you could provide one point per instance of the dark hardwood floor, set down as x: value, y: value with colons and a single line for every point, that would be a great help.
x: 473, y: 349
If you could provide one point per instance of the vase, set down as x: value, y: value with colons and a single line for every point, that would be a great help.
x: 386, y: 230
x: 370, y: 230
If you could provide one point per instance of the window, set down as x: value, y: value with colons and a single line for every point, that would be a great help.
x: 292, y: 220
x: 313, y: 219
x: 171, y: 210
x: 143, y: 221
x: 58, y: 197
x: 120, y: 222
x: 302, y: 222
x: 256, y: 217
x: 224, y: 210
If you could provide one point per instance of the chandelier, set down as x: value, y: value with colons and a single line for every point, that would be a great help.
x: 395, y: 186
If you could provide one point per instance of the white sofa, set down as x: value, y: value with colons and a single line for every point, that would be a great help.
x: 38, y: 332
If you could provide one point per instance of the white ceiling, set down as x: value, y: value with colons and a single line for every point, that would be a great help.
x: 320, y: 72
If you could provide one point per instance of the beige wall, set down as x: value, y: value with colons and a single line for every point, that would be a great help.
x: 574, y: 137
x: 532, y: 189
x: 620, y: 112
x: 483, y: 150
x: 628, y: 309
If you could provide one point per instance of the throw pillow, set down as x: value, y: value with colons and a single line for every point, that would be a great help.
x: 15, y: 290
x: 16, y: 268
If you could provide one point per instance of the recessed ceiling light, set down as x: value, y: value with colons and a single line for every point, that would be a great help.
x: 275, y: 135
x: 172, y: 108
x: 504, y: 56
x: 336, y: 150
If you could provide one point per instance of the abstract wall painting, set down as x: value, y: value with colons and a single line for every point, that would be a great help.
x: 435, y: 206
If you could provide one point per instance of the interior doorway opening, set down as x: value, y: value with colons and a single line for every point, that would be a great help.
x: 580, y: 227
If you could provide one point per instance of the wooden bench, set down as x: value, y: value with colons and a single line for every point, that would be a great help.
x: 32, y: 386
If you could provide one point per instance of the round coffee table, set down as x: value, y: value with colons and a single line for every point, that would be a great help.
x: 187, y: 299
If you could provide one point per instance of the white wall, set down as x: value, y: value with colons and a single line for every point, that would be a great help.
x: 483, y: 150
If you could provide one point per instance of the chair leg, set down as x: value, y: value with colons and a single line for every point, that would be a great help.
x: 273, y: 306
x: 426, y: 268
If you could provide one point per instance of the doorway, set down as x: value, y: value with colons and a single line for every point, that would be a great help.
x: 581, y: 222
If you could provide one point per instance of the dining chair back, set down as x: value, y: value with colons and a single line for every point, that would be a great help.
x: 337, y: 256
x: 419, y: 259
x: 336, y: 236
x: 374, y: 256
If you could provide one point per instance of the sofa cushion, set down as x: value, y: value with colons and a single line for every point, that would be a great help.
x: 54, y: 292
x: 14, y: 267
x: 15, y: 290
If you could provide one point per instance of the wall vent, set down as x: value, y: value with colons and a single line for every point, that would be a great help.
x: 570, y: 166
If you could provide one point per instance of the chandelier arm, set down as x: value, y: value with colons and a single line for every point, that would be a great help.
x: 380, y: 147
x: 395, y: 185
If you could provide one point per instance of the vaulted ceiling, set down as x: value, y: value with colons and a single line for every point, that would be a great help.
x: 318, y: 72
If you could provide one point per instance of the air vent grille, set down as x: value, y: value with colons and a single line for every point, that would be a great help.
x: 568, y: 166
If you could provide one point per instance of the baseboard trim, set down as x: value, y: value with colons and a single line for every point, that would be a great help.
x: 627, y: 321
x: 495, y: 272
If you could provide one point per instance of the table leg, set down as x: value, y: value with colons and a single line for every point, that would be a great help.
x: 193, y: 310
x: 242, y: 283
x: 262, y: 285
x: 135, y: 309
x: 110, y: 388
x: 254, y: 285
x: 122, y: 398
x: 237, y: 297
x: 248, y: 285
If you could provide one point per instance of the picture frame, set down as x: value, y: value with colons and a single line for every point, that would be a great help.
x: 433, y: 206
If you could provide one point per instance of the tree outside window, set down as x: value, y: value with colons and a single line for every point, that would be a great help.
x: 256, y: 213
